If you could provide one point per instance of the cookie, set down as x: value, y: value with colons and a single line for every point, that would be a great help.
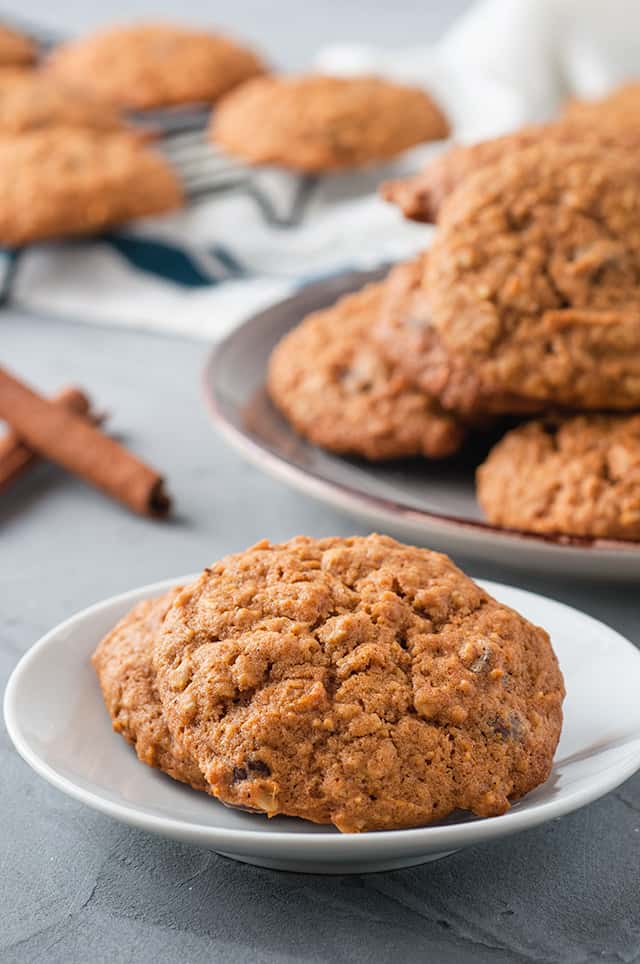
x: 30, y: 100
x: 579, y: 476
x: 358, y: 682
x: 123, y: 662
x: 63, y: 181
x: 155, y: 65
x: 421, y: 196
x: 317, y: 123
x: 16, y: 48
x: 530, y: 294
x: 332, y: 382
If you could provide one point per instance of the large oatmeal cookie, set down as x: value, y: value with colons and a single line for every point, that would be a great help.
x: 359, y: 682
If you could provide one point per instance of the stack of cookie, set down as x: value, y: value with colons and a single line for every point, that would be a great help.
x: 70, y: 162
x: 526, y: 304
x: 356, y: 682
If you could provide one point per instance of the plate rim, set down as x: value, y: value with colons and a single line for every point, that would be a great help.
x: 354, y: 500
x: 426, y: 839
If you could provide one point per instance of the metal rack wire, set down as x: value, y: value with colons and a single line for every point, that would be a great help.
x: 205, y: 170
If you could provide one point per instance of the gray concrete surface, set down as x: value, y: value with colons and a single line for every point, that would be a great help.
x: 78, y: 887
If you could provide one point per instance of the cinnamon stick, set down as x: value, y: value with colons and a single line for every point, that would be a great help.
x: 65, y: 437
x: 16, y: 457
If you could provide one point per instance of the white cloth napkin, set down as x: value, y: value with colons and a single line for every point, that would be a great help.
x: 93, y: 282
x: 504, y: 63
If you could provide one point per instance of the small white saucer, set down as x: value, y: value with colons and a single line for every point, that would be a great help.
x: 56, y: 718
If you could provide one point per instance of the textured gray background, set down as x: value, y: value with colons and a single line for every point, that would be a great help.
x: 78, y: 887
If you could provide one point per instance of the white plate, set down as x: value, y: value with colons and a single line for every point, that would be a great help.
x: 57, y: 721
x: 432, y: 503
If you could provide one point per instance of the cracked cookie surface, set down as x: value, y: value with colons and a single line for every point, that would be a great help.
x: 123, y: 663
x: 359, y: 682
x: 530, y: 294
x: 332, y: 382
x: 576, y: 477
x: 321, y: 123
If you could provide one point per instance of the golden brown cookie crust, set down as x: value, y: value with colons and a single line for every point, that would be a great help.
x: 332, y: 382
x: 529, y: 297
x: 421, y: 197
x: 15, y: 48
x: 123, y: 662
x: 358, y: 682
x: 318, y: 123
x: 64, y: 181
x: 155, y: 65
x: 576, y: 477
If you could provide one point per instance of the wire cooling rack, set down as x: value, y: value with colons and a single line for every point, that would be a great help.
x: 204, y: 170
